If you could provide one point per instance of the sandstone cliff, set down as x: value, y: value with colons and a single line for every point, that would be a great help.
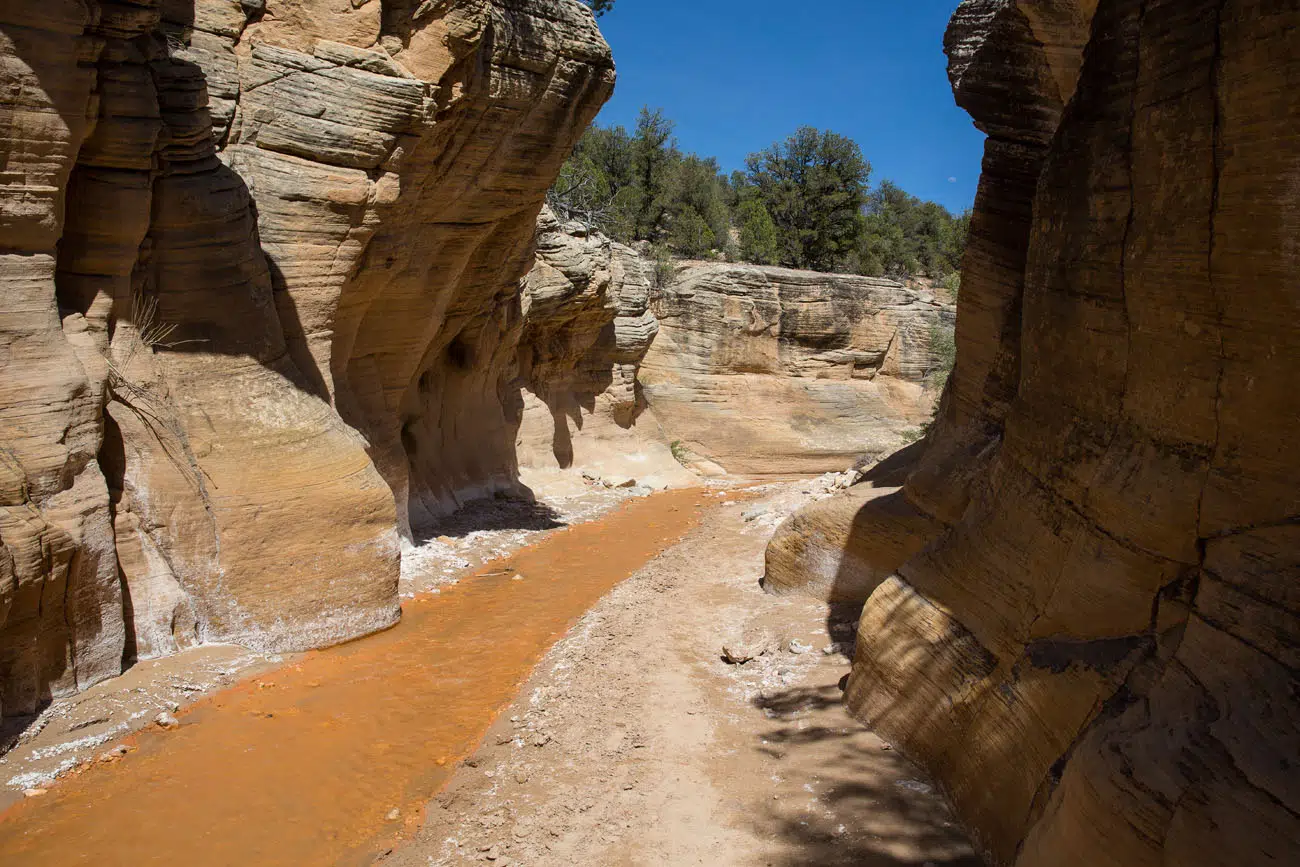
x: 260, y: 306
x: 1081, y: 609
x: 587, y: 328
x: 762, y: 370
x: 726, y: 368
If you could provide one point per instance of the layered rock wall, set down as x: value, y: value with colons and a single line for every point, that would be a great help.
x: 769, y: 371
x: 631, y: 374
x: 1090, y: 636
x: 261, y: 306
x: 587, y: 328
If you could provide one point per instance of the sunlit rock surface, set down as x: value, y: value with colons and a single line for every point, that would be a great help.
x: 587, y: 328
x: 1095, y: 649
x: 770, y: 371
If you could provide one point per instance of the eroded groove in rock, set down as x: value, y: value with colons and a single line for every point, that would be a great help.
x: 1096, y: 657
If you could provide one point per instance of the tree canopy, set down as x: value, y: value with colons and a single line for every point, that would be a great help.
x: 600, y: 7
x: 803, y: 202
x: 813, y: 185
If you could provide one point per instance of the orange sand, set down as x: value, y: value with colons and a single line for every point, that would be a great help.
x: 304, y: 765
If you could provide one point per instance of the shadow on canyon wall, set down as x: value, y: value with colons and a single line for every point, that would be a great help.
x: 132, y: 205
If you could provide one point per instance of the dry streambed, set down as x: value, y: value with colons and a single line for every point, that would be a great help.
x: 634, y: 742
x: 637, y: 742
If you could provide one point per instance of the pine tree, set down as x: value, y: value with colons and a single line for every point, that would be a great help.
x: 814, y: 186
x: 758, y: 239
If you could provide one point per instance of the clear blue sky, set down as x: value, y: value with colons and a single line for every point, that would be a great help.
x: 737, y: 75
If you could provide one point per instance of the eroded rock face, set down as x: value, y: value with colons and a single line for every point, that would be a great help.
x: 772, y: 371
x: 1094, y: 646
x: 587, y: 328
x: 260, y: 306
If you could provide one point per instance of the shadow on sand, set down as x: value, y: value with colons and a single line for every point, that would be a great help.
x: 494, y: 514
x: 862, y: 804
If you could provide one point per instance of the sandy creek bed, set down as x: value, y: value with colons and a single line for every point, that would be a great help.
x: 632, y: 742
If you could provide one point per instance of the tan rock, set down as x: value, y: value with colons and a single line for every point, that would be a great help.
x: 587, y: 327
x: 841, y: 548
x: 260, y: 306
x: 772, y: 371
x: 1092, y: 650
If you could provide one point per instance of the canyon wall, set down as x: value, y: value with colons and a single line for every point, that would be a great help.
x: 587, y: 328
x: 1081, y: 602
x: 261, y: 306
x: 770, y: 371
x: 633, y: 371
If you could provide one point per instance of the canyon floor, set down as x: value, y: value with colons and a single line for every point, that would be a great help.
x: 633, y: 740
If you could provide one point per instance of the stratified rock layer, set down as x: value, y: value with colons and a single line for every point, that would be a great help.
x: 1093, y: 642
x: 772, y: 371
x: 260, y: 280
x: 587, y: 327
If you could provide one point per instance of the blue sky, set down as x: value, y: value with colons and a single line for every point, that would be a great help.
x: 737, y: 75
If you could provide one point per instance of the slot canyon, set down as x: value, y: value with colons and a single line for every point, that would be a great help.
x: 362, y: 504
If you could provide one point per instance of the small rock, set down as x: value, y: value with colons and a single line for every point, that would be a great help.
x: 173, y: 707
x: 166, y: 720
x: 521, y: 778
x: 541, y: 739
x: 798, y: 647
x: 33, y: 793
x: 85, y: 724
x: 832, y: 649
x: 735, y: 656
x: 914, y: 786
x: 115, y: 753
